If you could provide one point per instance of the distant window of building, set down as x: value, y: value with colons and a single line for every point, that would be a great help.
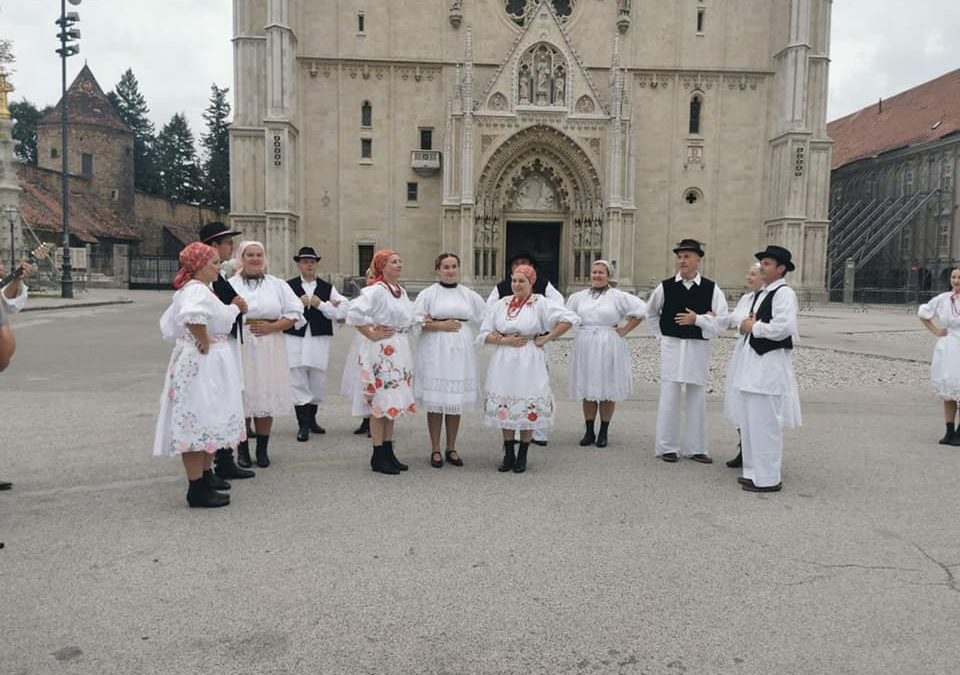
x: 366, y: 148
x: 412, y: 192
x: 426, y: 139
x: 908, y: 181
x: 364, y: 258
x: 54, y: 154
x: 696, y: 107
x: 366, y: 114
x: 361, y: 23
x: 692, y: 196
x: 943, y: 236
x: 701, y: 19
x: 946, y: 178
x: 906, y: 241
x: 86, y: 164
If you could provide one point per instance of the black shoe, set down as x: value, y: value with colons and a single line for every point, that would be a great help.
x: 392, y: 458
x: 5, y: 485
x: 702, y: 458
x: 744, y: 481
x: 200, y: 495
x: 949, y: 435
x: 670, y: 457
x: 521, y: 464
x: 756, y: 488
x: 263, y: 460
x: 225, y: 468
x: 602, y: 436
x: 456, y: 461
x: 954, y: 439
x: 589, y: 438
x: 736, y: 462
x: 303, y: 423
x: 312, y: 420
x: 381, y: 464
x: 243, y: 455
x: 364, y: 427
x: 436, y: 460
x: 542, y: 444
x: 214, y: 482
x: 509, y: 458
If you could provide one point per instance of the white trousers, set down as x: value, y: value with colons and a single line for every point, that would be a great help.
x: 761, y: 438
x: 309, y: 385
x: 669, y: 422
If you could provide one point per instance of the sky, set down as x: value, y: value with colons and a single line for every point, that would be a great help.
x: 178, y: 48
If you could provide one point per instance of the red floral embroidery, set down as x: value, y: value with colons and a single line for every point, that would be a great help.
x: 532, y: 417
x: 371, y: 389
x: 388, y: 350
x: 379, y: 383
x: 393, y: 413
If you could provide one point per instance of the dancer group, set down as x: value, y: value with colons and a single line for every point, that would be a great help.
x: 253, y: 347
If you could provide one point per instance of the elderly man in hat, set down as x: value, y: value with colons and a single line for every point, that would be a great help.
x: 220, y: 237
x: 683, y: 312
x: 308, y: 348
x: 765, y: 377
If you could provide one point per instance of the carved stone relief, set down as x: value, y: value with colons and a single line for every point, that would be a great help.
x: 585, y: 105
x: 542, y: 77
x: 498, y: 102
x: 535, y: 194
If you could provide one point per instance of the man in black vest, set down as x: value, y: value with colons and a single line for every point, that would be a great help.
x: 683, y: 312
x: 220, y: 237
x: 308, y: 348
x: 765, y: 375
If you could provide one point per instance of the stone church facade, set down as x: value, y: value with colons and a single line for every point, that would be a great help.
x: 577, y: 129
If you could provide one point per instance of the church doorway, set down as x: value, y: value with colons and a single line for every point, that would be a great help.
x: 542, y: 239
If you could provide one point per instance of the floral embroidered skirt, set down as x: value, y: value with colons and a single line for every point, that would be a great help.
x: 518, y: 392
x: 201, y: 409
x: 385, y: 373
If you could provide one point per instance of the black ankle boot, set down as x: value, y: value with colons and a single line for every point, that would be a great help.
x: 947, y: 437
x: 263, y: 460
x: 224, y: 466
x: 364, y: 427
x: 215, y: 482
x: 303, y: 422
x: 312, y: 419
x: 392, y: 458
x: 737, y: 461
x: 509, y: 458
x: 602, y: 436
x: 521, y: 464
x: 201, y: 495
x: 588, y: 436
x: 243, y: 454
x: 380, y: 463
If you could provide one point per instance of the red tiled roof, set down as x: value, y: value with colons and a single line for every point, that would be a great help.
x: 87, y: 104
x: 185, y: 235
x: 925, y: 113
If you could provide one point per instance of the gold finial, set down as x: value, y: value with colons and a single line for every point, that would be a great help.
x: 5, y: 88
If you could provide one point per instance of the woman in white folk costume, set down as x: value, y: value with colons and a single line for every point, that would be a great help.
x: 600, y: 371
x: 272, y: 308
x: 350, y: 379
x: 445, y: 371
x: 518, y: 398
x: 731, y: 397
x: 201, y: 409
x: 308, y: 347
x: 764, y: 378
x: 383, y: 314
x: 941, y: 316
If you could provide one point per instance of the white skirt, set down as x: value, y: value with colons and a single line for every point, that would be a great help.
x: 266, y: 375
x: 600, y: 369
x: 201, y: 408
x: 518, y: 392
x: 445, y: 379
x: 350, y: 381
x: 385, y: 378
x: 945, y: 368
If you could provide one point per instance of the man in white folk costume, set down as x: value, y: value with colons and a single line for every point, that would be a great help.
x: 308, y: 347
x: 765, y: 377
x: 685, y: 312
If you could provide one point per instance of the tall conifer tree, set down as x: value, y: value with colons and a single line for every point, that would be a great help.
x: 132, y: 107
x: 216, y: 145
x: 176, y: 158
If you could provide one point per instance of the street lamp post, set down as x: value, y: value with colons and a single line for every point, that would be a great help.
x: 11, y: 213
x: 67, y: 34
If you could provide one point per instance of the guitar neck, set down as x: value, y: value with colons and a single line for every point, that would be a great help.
x: 15, y: 274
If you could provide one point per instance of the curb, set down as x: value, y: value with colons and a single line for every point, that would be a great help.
x: 100, y: 303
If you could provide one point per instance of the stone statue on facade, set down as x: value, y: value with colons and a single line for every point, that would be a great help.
x: 5, y: 89
x: 559, y: 87
x: 524, y: 84
x: 543, y: 80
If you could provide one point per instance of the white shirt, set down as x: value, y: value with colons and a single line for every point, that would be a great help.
x: 549, y: 292
x: 270, y: 298
x: 440, y: 303
x: 313, y: 351
x: 942, y: 310
x: 771, y: 373
x: 687, y: 360
x: 537, y: 316
x: 376, y: 306
x: 16, y: 304
x: 197, y: 304
x: 607, y: 309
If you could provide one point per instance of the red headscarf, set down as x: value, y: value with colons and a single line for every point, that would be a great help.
x: 192, y: 258
x: 527, y: 271
x: 380, y: 260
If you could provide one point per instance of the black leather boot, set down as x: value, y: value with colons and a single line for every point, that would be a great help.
x: 364, y: 427
x: 392, y: 458
x: 263, y: 461
x: 737, y: 461
x: 215, y: 482
x: 380, y: 463
x: 602, y: 436
x: 201, y: 495
x: 588, y: 436
x: 509, y: 458
x: 303, y: 424
x: 521, y: 464
x: 224, y: 466
x: 312, y: 419
x: 243, y: 454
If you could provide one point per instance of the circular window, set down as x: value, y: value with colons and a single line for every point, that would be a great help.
x: 521, y: 10
x: 692, y: 196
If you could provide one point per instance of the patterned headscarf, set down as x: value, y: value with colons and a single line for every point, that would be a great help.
x: 192, y: 258
x: 527, y: 271
x: 380, y: 260
x: 245, y: 245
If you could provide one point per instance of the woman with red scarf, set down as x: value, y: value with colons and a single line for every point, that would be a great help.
x: 518, y: 396
x: 383, y: 314
x: 201, y: 409
x: 945, y: 368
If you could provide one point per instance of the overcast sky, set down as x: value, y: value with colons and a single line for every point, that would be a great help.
x: 178, y: 48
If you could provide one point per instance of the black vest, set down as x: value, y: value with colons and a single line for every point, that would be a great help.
x: 764, y: 313
x: 504, y: 289
x: 677, y: 299
x: 319, y: 324
x: 226, y: 293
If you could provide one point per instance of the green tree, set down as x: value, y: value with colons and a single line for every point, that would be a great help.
x: 216, y: 145
x: 26, y: 116
x: 132, y: 108
x: 176, y: 160
x: 6, y: 56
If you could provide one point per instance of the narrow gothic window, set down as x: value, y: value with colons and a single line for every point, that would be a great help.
x: 366, y: 148
x: 412, y: 192
x: 696, y: 103
x: 701, y: 16
x: 364, y: 258
x: 366, y: 115
x: 426, y: 139
x: 86, y: 162
x: 361, y: 23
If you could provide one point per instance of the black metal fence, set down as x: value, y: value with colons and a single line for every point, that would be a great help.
x: 153, y: 272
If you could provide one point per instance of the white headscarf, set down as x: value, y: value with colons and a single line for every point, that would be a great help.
x: 243, y: 246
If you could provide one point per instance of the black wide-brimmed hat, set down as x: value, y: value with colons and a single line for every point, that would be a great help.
x: 526, y: 255
x: 780, y: 254
x: 216, y: 230
x: 306, y: 252
x: 690, y: 245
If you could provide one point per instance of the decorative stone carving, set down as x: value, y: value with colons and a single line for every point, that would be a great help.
x: 623, y: 19
x: 498, y: 102
x: 559, y: 86
x: 585, y: 105
x: 542, y: 76
x: 536, y: 194
x: 486, y: 140
x: 595, y: 145
x: 456, y: 13
x: 522, y: 11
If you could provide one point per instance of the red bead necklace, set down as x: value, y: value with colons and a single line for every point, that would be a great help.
x: 395, y: 293
x: 516, y: 304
